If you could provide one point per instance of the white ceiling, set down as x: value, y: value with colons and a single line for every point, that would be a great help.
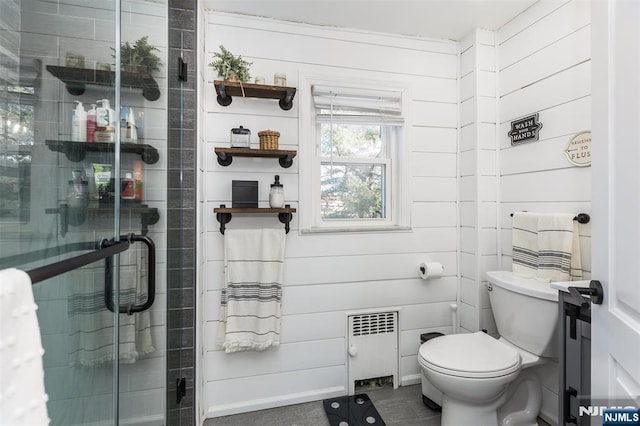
x: 444, y: 19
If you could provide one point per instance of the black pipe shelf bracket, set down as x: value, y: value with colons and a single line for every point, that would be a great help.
x: 285, y: 157
x: 580, y: 218
x: 224, y: 214
x: 227, y: 89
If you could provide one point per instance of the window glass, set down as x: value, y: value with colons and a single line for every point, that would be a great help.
x: 352, y: 191
x: 16, y: 141
x: 347, y: 140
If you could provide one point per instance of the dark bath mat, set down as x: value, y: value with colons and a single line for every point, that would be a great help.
x: 355, y: 410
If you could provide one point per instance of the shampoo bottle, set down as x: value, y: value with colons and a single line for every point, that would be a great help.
x: 106, y: 117
x: 137, y: 178
x: 92, y: 123
x: 132, y: 129
x: 123, y: 124
x: 128, y: 189
x: 78, y: 123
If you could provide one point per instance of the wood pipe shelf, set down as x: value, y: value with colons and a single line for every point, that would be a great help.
x: 76, y: 151
x: 76, y: 216
x: 227, y: 89
x: 285, y: 157
x: 224, y: 214
x: 76, y: 80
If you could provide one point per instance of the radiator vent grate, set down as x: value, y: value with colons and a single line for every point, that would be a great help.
x: 378, y: 323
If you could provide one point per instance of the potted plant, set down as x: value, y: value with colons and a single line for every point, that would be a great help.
x: 139, y: 56
x: 231, y: 67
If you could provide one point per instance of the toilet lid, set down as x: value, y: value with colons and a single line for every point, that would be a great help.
x: 470, y: 355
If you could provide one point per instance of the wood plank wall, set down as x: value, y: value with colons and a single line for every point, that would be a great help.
x: 544, y: 66
x: 328, y: 275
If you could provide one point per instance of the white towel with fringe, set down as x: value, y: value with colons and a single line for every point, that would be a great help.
x: 90, y: 323
x: 23, y: 400
x: 250, y: 303
x: 559, y: 247
x: 525, y: 244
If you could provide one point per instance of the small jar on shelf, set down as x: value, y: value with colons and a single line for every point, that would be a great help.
x: 276, y: 194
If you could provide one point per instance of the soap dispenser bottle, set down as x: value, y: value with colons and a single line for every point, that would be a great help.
x: 78, y: 123
x: 91, y: 123
x: 276, y: 194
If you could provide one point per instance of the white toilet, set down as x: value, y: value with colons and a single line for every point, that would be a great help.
x: 488, y: 382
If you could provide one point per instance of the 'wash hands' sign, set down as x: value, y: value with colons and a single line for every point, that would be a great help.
x: 525, y: 129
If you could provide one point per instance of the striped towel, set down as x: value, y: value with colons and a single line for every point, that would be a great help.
x: 251, y: 300
x: 525, y: 244
x: 90, y: 324
x: 558, y: 247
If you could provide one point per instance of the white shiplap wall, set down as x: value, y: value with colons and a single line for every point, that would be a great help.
x: 544, y: 59
x: 478, y: 183
x: 327, y: 275
x: 544, y: 66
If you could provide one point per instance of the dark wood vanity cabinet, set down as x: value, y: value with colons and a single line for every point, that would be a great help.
x: 574, y: 359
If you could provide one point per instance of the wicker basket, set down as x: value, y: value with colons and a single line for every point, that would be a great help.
x: 268, y: 139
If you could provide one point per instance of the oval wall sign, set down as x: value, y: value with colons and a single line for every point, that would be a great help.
x: 578, y: 150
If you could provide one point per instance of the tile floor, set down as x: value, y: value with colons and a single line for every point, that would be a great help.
x: 400, y: 407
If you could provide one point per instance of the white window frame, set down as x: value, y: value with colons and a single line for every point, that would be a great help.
x: 397, y: 170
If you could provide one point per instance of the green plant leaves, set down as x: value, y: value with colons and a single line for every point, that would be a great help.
x: 227, y: 65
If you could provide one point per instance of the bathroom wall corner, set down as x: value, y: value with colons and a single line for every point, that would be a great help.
x: 181, y: 221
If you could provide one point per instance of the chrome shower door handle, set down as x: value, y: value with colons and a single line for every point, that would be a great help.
x: 151, y: 281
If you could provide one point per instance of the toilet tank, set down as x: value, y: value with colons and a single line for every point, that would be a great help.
x: 526, y: 311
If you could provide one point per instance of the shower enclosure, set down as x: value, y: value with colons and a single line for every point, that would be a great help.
x: 66, y: 191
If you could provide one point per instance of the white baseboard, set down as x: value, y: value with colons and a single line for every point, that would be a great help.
x: 277, y: 401
x: 411, y: 379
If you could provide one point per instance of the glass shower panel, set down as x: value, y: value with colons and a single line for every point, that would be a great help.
x: 144, y: 53
x: 62, y: 194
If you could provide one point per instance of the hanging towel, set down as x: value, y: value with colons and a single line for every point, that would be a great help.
x: 91, y: 324
x: 250, y: 302
x: 525, y: 244
x: 23, y: 400
x: 558, y: 247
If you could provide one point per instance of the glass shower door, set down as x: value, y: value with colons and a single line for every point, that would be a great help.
x: 65, y: 192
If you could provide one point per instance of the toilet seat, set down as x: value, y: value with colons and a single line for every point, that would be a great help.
x: 475, y: 355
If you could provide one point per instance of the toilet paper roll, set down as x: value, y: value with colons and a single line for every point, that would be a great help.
x: 431, y: 270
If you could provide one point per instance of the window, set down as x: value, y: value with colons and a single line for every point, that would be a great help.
x: 16, y: 142
x: 357, y: 137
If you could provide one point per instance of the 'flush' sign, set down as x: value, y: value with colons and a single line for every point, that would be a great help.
x: 525, y: 130
x: 578, y: 150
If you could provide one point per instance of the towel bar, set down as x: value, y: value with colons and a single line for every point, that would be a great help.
x: 224, y: 214
x: 581, y: 217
